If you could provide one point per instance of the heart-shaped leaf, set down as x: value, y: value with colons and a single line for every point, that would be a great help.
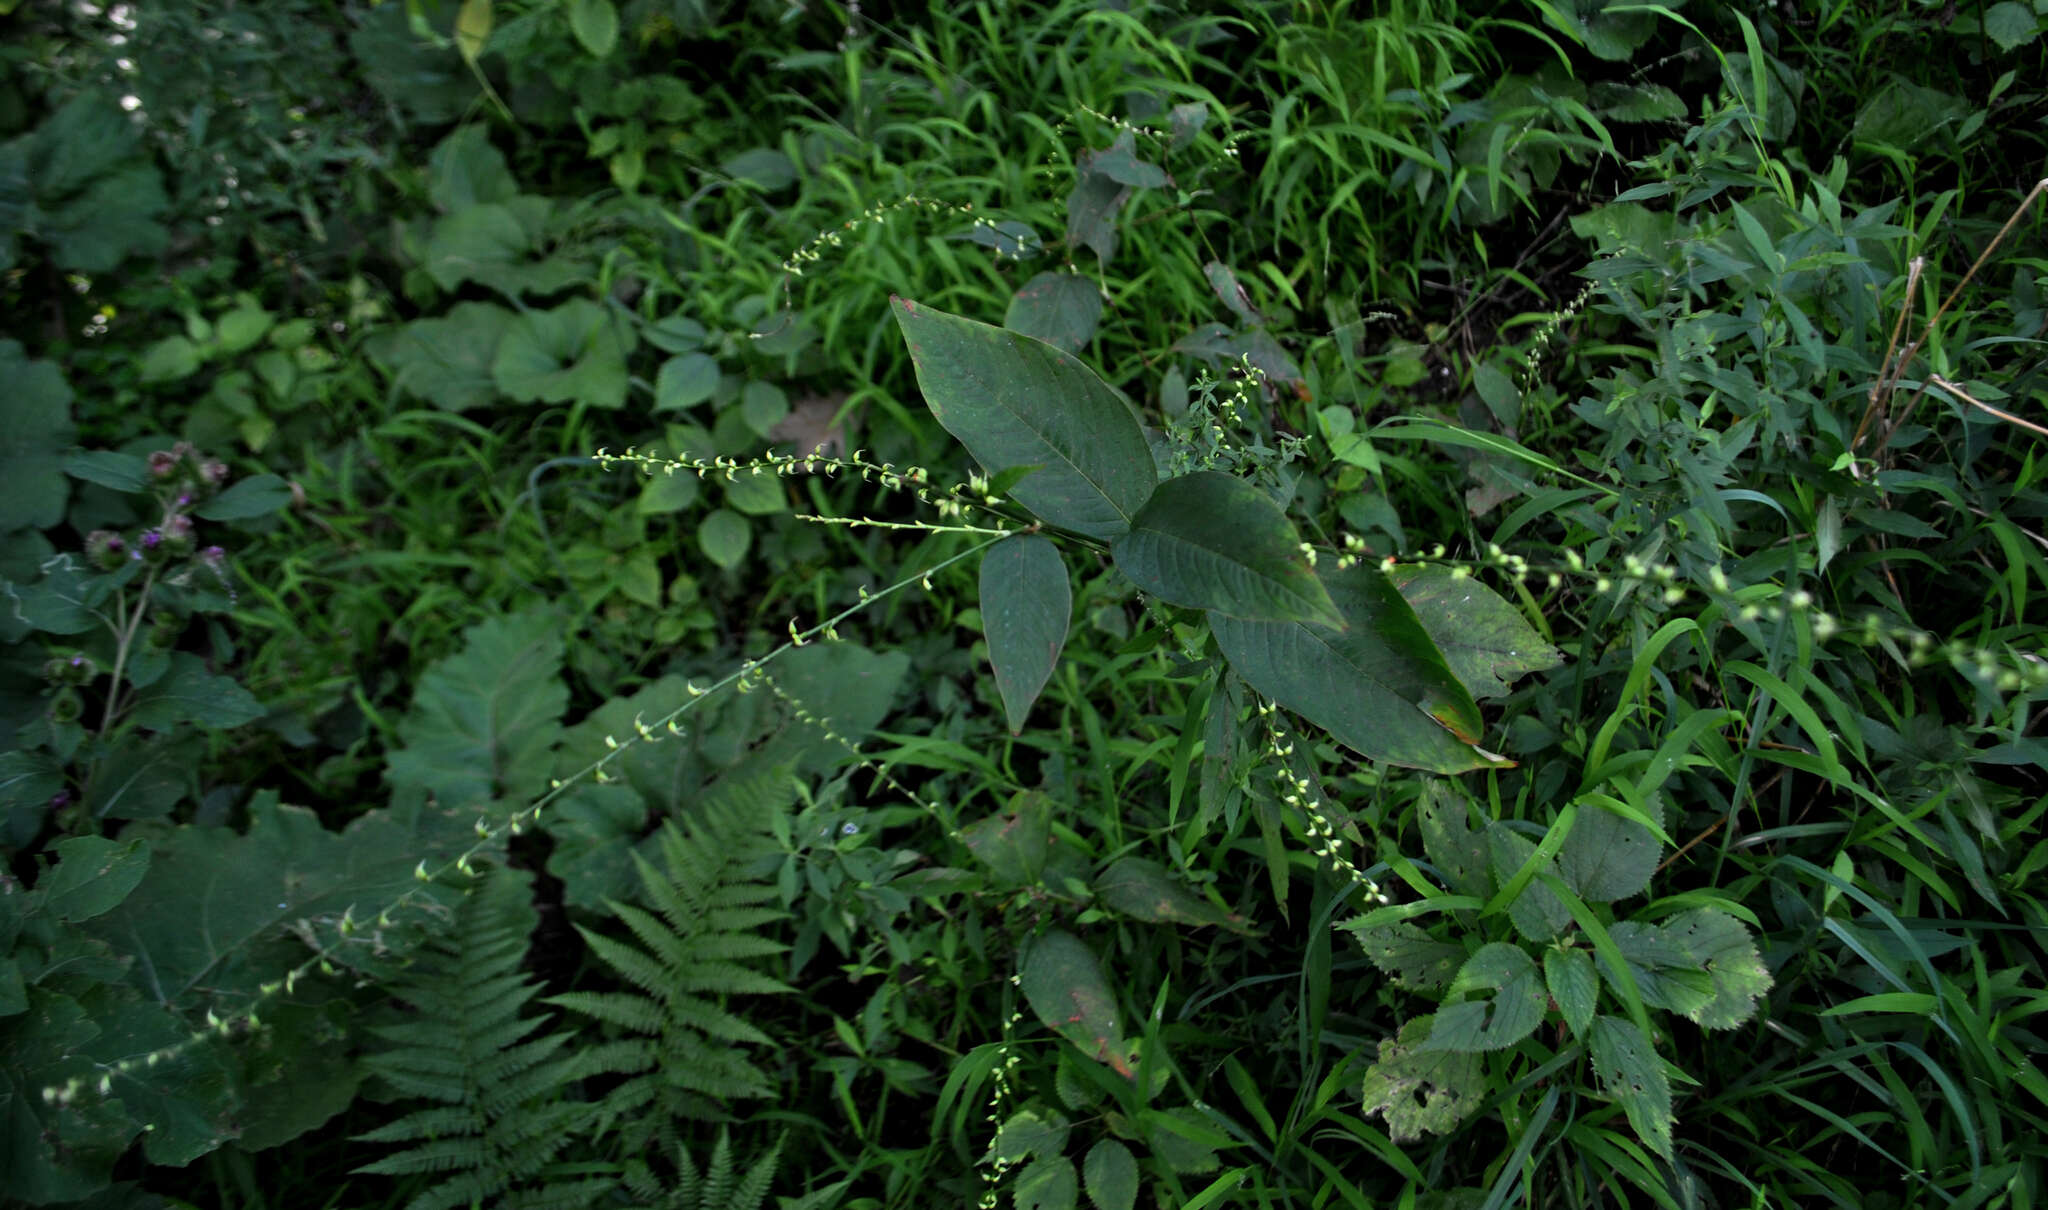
x: 1212, y: 541
x: 1018, y: 402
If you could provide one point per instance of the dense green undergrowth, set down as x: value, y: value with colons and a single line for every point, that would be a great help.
x: 697, y: 604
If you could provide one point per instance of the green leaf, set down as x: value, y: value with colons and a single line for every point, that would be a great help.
x: 572, y: 353
x: 667, y: 493
x: 1014, y: 843
x: 755, y: 495
x: 1631, y: 1074
x: 1111, y: 1175
x: 1569, y: 975
x: 92, y: 876
x: 1046, y: 1183
x: 1026, y: 605
x: 1212, y: 541
x: 1537, y: 913
x: 1418, y: 1091
x: 446, y: 361
x: 1379, y: 686
x: 33, y: 490
x: 595, y: 24
x: 483, y: 720
x: 1181, y: 1139
x: 1065, y: 987
x: 143, y: 777
x: 1017, y: 402
x: 116, y: 472
x: 723, y: 536
x: 188, y: 693
x: 1143, y: 890
x: 762, y: 406
x: 170, y: 359
x: 686, y: 380
x: 1724, y: 950
x: 2011, y: 24
x: 1485, y: 640
x: 1061, y: 309
x: 1510, y: 1013
x: 256, y: 496
x: 1607, y: 857
x: 1411, y: 957
x: 1666, y: 975
x: 1030, y: 1131
x: 1444, y: 816
x: 96, y: 194
x: 466, y: 170
x: 27, y: 780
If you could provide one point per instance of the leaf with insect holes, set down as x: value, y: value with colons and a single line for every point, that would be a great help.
x: 1379, y: 686
x: 1725, y: 951
x: 1015, y: 402
x: 1026, y: 604
x: 1607, y: 857
x: 1443, y: 815
x: 1633, y: 1076
x: 1665, y: 974
x: 1212, y: 541
x: 1537, y: 913
x: 1410, y: 957
x: 1511, y: 1010
x: 1418, y: 1091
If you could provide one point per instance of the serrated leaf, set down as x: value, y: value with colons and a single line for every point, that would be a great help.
x: 1143, y: 890
x: 1573, y: 984
x: 1026, y: 605
x: 188, y: 693
x: 483, y: 720
x: 1725, y: 951
x: 1512, y: 1010
x: 1061, y: 309
x: 1018, y: 402
x: 1046, y: 1183
x: 1030, y: 1131
x: 1485, y: 640
x: 2011, y: 24
x: 1665, y: 974
x: 1182, y: 1140
x: 1065, y: 988
x: 1111, y: 1175
x: 1607, y: 857
x: 1410, y: 957
x: 1379, y: 686
x: 1633, y: 1076
x: 1419, y: 1091
x: 1014, y: 843
x: 1537, y: 913
x: 1443, y: 815
x: 1208, y: 540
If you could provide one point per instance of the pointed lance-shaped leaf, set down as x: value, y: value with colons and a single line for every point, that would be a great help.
x: 1379, y: 686
x: 1018, y: 402
x: 1065, y: 987
x: 1212, y: 541
x: 1026, y: 604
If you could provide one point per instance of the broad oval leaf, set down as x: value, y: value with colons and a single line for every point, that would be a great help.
x: 1066, y: 989
x: 1018, y: 402
x: 1015, y: 842
x: 1512, y: 1010
x: 1212, y: 541
x: 1026, y: 604
x: 1723, y: 948
x: 1111, y: 1173
x: 1379, y: 686
x: 1485, y: 640
x: 1569, y: 975
x: 1419, y: 1091
x: 1607, y: 857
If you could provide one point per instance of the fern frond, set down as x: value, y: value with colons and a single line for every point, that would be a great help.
x: 497, y: 1077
